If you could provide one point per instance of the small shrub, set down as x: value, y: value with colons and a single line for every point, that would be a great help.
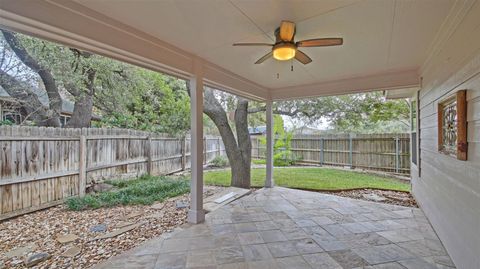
x: 219, y: 161
x: 144, y: 190
x: 284, y: 158
x: 259, y: 161
x: 6, y: 122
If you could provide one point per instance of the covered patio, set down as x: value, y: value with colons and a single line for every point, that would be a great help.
x: 285, y: 228
x: 406, y: 48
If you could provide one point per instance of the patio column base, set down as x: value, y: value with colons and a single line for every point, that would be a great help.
x: 196, y: 216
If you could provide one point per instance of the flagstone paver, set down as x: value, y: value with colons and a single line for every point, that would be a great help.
x: 321, y: 261
x: 294, y: 262
x: 285, y: 228
x: 249, y: 238
x: 273, y: 236
x: 307, y: 246
x: 257, y: 252
x: 347, y: 259
x: 282, y: 249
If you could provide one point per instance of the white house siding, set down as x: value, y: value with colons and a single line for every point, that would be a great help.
x: 448, y: 190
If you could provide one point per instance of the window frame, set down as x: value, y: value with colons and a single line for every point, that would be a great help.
x: 414, y: 129
x: 458, y: 101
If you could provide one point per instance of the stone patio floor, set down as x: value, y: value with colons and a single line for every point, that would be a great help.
x: 285, y: 228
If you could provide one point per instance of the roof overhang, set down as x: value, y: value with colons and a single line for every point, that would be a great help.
x: 75, y: 25
x: 376, y: 82
x: 71, y: 26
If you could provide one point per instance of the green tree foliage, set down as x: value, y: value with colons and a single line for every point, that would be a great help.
x: 282, y: 153
x: 364, y: 112
x: 126, y: 96
x: 155, y: 103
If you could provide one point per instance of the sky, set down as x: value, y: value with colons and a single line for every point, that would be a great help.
x: 291, y: 123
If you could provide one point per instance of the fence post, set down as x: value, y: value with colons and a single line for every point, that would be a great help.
x: 218, y: 146
x: 322, y: 151
x: 257, y: 142
x: 397, y: 153
x: 204, y: 150
x: 350, y: 151
x: 148, y: 151
x: 183, y: 151
x: 82, y: 170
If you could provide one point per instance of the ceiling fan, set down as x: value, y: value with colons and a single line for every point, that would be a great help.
x: 285, y: 48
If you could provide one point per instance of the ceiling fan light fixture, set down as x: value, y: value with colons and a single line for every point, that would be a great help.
x: 285, y: 47
x: 285, y: 51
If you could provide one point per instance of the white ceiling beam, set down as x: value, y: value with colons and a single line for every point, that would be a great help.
x: 374, y: 82
x: 75, y: 25
x: 222, y: 79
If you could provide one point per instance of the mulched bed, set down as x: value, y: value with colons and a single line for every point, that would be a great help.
x: 42, y: 228
x: 391, y: 197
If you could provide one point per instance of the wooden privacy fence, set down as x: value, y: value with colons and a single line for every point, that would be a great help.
x: 40, y: 167
x: 381, y: 152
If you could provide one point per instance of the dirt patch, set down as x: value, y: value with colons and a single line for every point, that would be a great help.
x: 40, y: 232
x: 381, y: 196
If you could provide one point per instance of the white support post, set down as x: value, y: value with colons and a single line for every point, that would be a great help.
x: 269, y: 154
x: 196, y: 213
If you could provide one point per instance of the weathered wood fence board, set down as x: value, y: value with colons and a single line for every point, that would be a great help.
x: 40, y: 167
x: 381, y: 152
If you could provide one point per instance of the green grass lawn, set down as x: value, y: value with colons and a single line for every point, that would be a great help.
x: 143, y: 190
x: 313, y: 179
x: 259, y: 161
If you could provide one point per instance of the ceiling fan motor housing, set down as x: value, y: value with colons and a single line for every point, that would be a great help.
x: 285, y: 48
x: 283, y: 51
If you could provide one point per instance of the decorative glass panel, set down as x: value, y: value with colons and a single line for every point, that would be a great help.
x: 449, y: 128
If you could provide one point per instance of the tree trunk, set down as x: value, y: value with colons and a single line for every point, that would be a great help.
x: 239, y: 154
x: 82, y: 110
x: 242, y: 166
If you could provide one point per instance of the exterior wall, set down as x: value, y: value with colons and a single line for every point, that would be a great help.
x: 448, y: 190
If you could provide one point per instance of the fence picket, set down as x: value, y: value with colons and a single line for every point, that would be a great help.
x: 40, y: 167
x: 381, y: 152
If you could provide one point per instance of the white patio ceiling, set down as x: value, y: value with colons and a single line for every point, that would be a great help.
x: 385, y: 41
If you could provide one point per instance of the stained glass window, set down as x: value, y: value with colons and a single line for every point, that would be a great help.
x: 452, y: 125
x: 449, y: 128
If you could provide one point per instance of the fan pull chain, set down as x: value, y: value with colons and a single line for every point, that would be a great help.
x: 278, y: 75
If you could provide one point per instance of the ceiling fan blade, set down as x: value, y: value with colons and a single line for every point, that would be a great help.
x: 320, y: 42
x: 302, y: 57
x: 287, y: 30
x: 266, y: 56
x: 252, y: 44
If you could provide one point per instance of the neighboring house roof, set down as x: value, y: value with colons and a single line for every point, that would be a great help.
x: 257, y: 130
x: 67, y: 105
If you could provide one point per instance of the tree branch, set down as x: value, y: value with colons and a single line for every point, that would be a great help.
x: 29, y: 102
x: 278, y: 111
x: 55, y: 100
